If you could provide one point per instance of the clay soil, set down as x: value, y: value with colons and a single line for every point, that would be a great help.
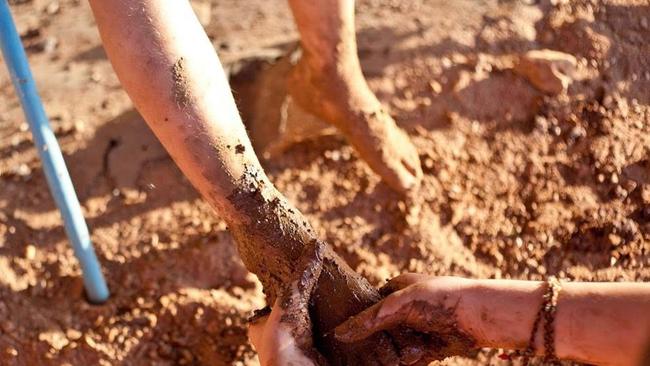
x: 517, y: 184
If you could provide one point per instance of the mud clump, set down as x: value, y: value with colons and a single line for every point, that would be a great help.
x: 180, y: 89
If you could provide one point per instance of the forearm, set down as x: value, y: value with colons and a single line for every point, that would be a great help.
x: 326, y: 29
x: 170, y: 70
x: 601, y: 323
x: 604, y: 323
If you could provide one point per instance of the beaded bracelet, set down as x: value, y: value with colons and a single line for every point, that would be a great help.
x: 547, y: 314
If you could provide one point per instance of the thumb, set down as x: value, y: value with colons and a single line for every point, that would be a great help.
x: 401, y: 282
x: 368, y: 322
x: 256, y: 331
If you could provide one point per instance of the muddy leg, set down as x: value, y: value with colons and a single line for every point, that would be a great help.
x: 328, y: 82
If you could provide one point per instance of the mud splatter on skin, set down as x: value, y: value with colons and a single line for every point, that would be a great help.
x: 275, y: 240
x: 295, y: 299
x: 271, y: 240
x: 180, y: 89
x: 433, y: 326
x: 441, y: 328
x: 308, y: 272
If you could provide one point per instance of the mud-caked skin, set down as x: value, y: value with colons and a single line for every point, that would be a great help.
x: 274, y: 239
x: 293, y: 303
x: 279, y: 246
x: 431, y: 320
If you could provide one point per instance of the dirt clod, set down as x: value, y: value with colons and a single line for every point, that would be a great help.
x: 549, y: 71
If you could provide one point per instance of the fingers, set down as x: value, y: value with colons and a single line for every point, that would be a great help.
x: 259, y: 314
x: 394, y: 310
x: 361, y: 326
x: 402, y: 281
x: 389, y: 152
x: 256, y: 331
x: 405, y: 180
x: 386, y: 314
x: 411, y: 161
x: 408, y: 167
x: 402, y: 172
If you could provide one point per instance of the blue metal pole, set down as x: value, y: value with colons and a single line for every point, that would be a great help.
x: 56, y: 172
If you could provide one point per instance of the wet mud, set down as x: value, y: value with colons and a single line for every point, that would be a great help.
x: 275, y: 241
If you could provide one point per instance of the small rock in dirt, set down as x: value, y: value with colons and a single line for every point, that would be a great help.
x: 334, y: 155
x: 23, y: 170
x: 541, y: 124
x: 435, y: 87
x: 428, y: 164
x: 549, y: 71
x: 577, y: 133
x: 55, y: 338
x: 50, y: 44
x: 557, y: 130
x: 629, y: 185
x: 11, y: 351
x: 612, y: 261
x: 30, y: 252
x: 645, y: 193
x: 620, y: 192
x: 7, y: 326
x: 73, y: 334
x: 53, y: 8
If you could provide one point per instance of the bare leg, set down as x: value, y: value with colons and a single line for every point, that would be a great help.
x: 170, y: 70
x: 328, y: 82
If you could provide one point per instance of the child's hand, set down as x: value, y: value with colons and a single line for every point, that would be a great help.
x: 284, y: 337
x: 424, y: 303
x: 275, y: 340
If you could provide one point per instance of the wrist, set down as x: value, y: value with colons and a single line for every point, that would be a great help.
x: 500, y: 313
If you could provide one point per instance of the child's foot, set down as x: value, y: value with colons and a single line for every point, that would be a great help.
x: 339, y: 94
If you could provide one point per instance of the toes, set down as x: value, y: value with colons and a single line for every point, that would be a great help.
x: 407, y: 160
x: 407, y: 174
x: 409, y: 168
x: 401, y: 162
x: 412, y: 175
x: 405, y: 181
x: 412, y: 162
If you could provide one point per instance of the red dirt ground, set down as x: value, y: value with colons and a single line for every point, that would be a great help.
x: 517, y: 184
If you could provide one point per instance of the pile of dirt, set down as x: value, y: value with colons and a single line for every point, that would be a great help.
x: 520, y: 181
